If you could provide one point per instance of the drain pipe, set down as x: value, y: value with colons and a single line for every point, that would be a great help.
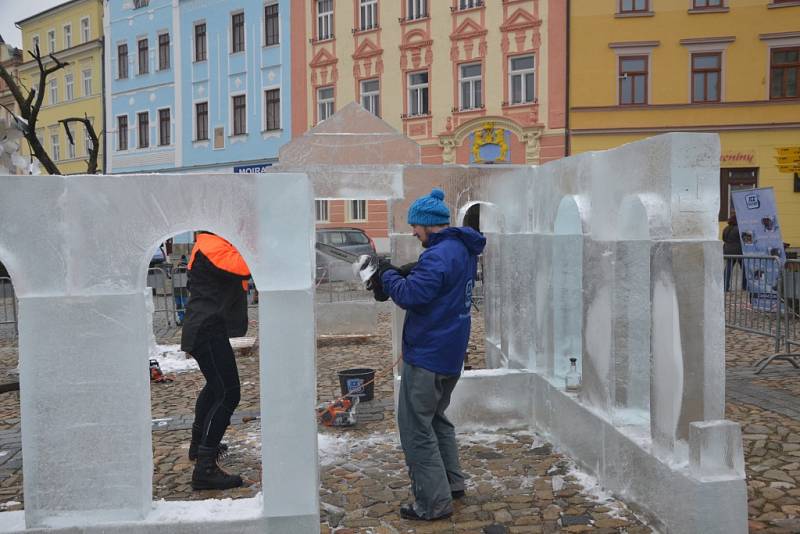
x: 568, y: 138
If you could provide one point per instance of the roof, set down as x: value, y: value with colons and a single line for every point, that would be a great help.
x: 46, y: 11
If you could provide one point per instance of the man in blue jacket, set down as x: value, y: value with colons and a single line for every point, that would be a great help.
x: 437, y: 295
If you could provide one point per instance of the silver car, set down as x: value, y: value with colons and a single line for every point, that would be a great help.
x: 352, y: 240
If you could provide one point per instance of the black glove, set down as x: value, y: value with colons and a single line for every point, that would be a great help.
x: 405, y: 270
x: 375, y: 285
x: 385, y: 265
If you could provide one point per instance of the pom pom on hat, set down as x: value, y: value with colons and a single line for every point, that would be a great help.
x: 429, y: 210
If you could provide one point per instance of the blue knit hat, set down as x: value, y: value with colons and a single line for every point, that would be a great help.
x: 429, y: 210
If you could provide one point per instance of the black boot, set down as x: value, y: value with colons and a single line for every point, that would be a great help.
x: 208, y: 475
x: 197, y: 437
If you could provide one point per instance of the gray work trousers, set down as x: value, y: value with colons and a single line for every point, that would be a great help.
x: 429, y: 440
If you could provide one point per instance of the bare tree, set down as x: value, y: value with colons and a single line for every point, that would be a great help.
x: 30, y: 102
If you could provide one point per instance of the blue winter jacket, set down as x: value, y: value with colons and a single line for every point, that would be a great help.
x: 437, y: 296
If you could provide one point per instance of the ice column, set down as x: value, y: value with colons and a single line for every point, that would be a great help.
x: 567, y: 276
x: 687, y: 343
x: 285, y: 279
x: 74, y: 442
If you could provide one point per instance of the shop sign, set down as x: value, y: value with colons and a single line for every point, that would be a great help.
x: 788, y: 159
x: 737, y: 158
x: 258, y: 168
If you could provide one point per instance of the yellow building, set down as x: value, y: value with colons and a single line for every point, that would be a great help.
x: 73, y: 32
x: 643, y: 67
x: 449, y: 74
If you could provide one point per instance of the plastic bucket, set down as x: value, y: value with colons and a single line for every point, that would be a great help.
x: 353, y: 380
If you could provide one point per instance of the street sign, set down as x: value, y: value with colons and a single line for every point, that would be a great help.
x: 252, y: 169
x: 789, y: 151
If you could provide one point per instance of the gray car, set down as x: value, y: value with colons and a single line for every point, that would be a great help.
x: 352, y: 240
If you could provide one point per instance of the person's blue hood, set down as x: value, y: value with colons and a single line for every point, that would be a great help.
x: 474, y: 241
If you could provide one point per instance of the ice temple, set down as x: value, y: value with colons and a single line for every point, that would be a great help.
x: 611, y: 257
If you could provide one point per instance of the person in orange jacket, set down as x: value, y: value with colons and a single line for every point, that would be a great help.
x: 216, y: 311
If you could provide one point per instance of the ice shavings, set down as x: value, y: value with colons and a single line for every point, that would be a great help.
x: 216, y: 510
x: 172, y: 359
x: 593, y: 489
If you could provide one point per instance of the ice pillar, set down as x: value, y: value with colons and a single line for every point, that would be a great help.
x: 288, y: 356
x: 688, y: 372
x: 85, y: 408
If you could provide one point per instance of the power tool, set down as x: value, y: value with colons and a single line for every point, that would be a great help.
x: 339, y: 412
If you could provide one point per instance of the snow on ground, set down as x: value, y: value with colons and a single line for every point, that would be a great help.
x: 172, y: 359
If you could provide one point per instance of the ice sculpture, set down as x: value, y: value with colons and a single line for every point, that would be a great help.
x: 87, y: 441
x: 608, y: 257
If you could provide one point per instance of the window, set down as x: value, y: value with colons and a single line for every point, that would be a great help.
x: 87, y: 82
x: 634, y: 6
x: 163, y: 51
x: 239, y: 115
x: 324, y: 103
x: 143, y: 53
x: 164, y: 125
x: 469, y: 4
x: 34, y: 42
x: 370, y: 96
x: 706, y: 75
x: 357, y: 210
x: 272, y: 105
x: 122, y: 61
x: 69, y: 87
x: 521, y: 80
x: 271, y: 27
x: 321, y: 210
x: 51, y: 41
x: 53, y: 92
x: 237, y: 32
x: 85, y: 34
x: 470, y: 86
x: 68, y: 36
x: 784, y: 71
x: 734, y: 180
x: 201, y: 121
x: 144, y: 129
x: 633, y: 80
x: 369, y: 14
x: 324, y: 19
x: 140, y: 3
x: 416, y: 9
x: 70, y: 143
x: 418, y: 93
x: 56, y: 147
x: 122, y: 133
x: 705, y: 4
x: 200, y: 41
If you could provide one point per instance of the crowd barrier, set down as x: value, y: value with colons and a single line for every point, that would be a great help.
x: 766, y: 303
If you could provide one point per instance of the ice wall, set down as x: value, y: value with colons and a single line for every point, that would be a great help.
x: 78, y: 249
x: 610, y: 257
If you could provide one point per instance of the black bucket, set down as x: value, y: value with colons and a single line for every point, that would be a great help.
x: 353, y: 380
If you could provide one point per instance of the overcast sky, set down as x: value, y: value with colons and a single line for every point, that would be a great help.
x: 13, y: 10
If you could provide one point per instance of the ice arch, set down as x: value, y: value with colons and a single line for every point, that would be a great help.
x: 87, y: 443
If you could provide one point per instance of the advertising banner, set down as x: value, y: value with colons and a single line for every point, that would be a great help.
x: 761, y: 236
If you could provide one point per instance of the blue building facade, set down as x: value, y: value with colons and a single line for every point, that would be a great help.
x: 216, y: 93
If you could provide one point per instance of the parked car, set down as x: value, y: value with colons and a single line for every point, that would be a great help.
x: 352, y: 240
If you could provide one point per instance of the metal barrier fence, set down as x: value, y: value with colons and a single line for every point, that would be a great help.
x: 8, y: 304
x: 766, y: 304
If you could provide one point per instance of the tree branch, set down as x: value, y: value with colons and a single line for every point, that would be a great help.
x: 94, y: 151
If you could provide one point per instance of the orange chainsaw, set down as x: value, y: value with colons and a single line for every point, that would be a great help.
x: 340, y: 412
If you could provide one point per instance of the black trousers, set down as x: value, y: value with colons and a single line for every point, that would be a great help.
x: 221, y: 393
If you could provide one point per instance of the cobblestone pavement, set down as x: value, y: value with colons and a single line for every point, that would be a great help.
x: 517, y: 483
